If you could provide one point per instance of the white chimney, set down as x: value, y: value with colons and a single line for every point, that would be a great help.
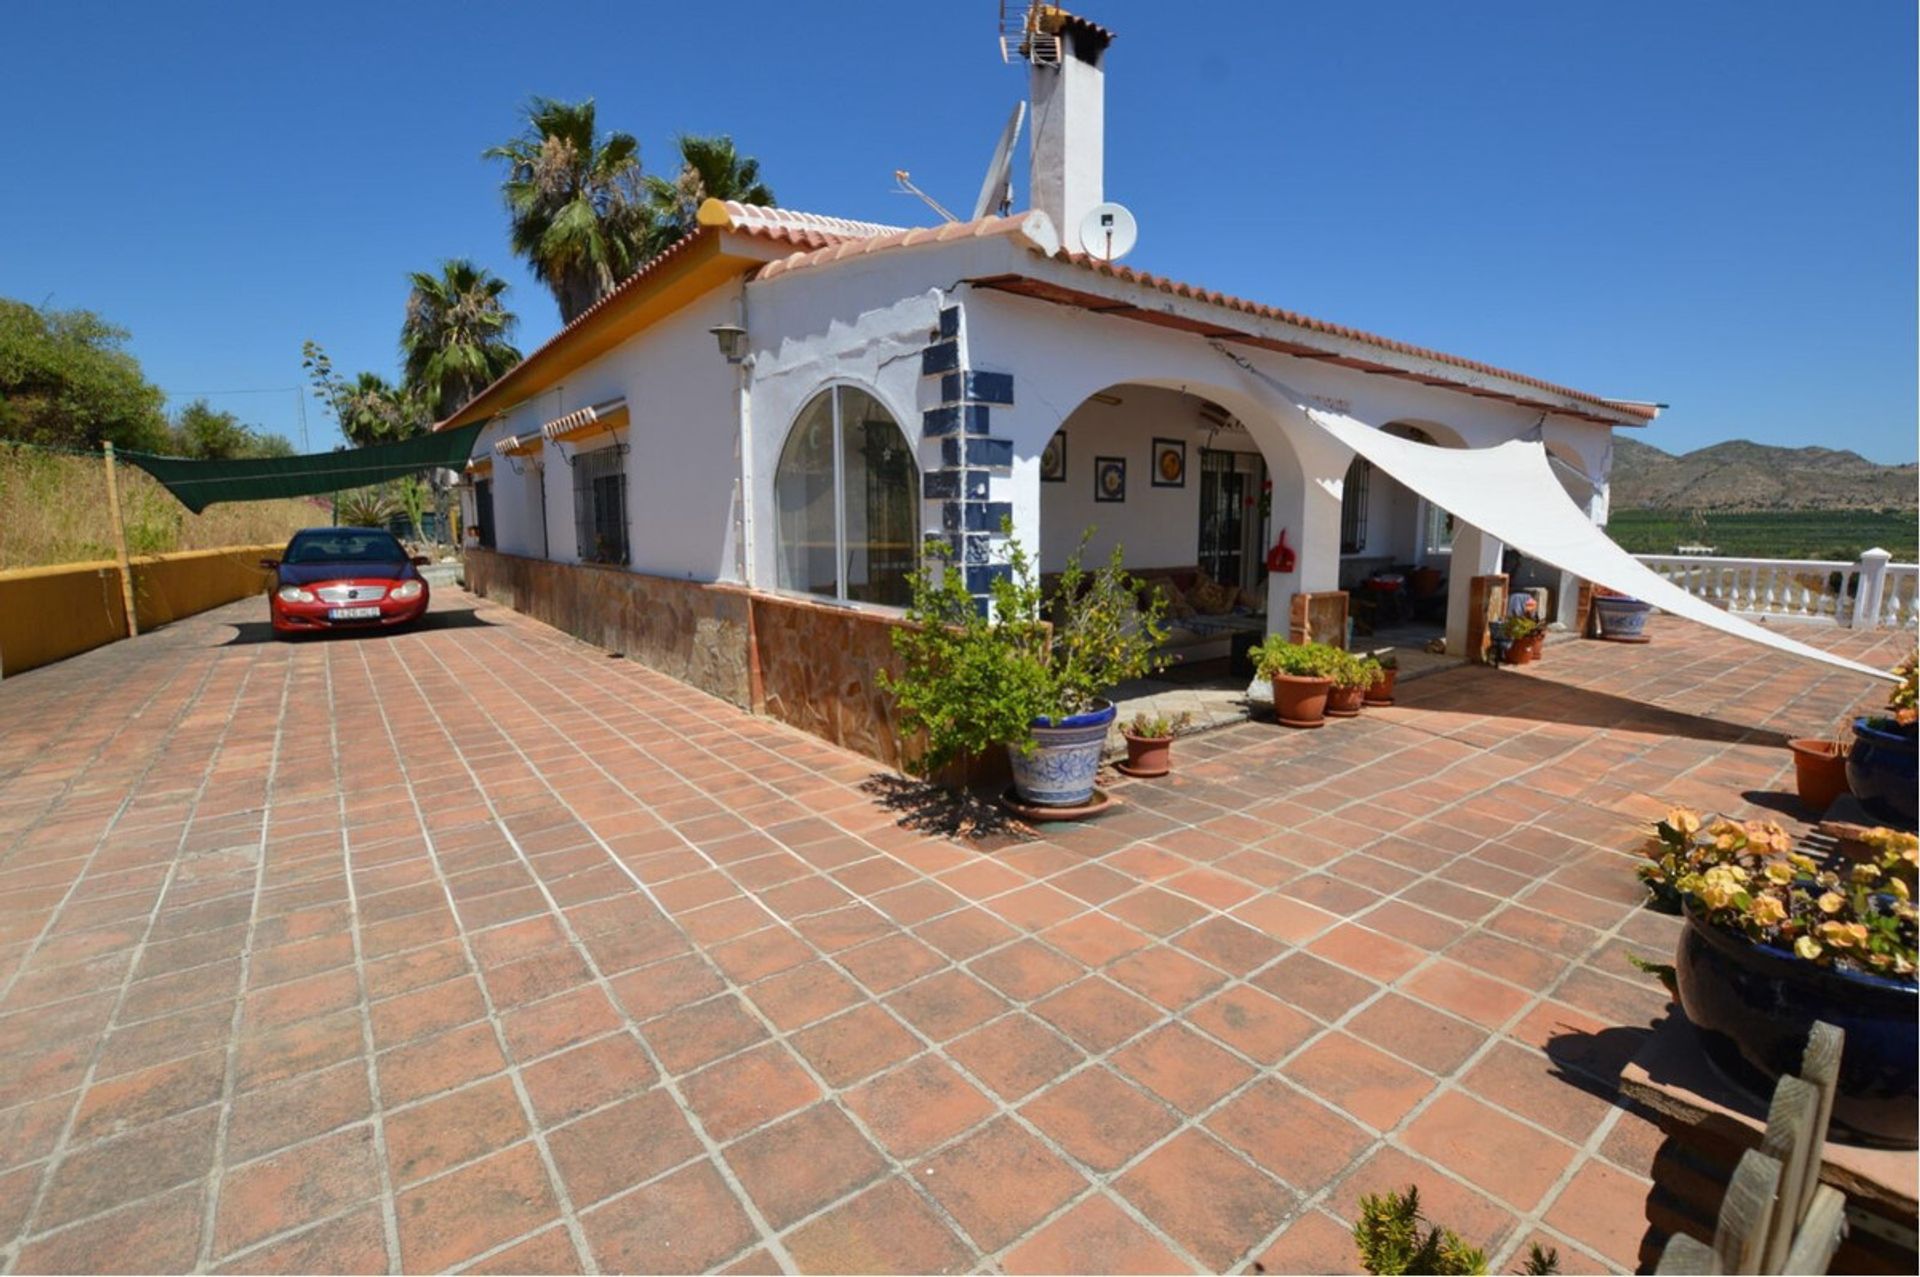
x: 1068, y: 145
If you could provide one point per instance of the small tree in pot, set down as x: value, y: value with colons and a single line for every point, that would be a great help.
x: 1027, y: 674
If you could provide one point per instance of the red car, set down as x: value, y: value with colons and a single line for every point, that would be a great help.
x: 344, y: 578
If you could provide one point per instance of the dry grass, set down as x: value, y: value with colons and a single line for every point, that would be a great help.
x: 53, y: 509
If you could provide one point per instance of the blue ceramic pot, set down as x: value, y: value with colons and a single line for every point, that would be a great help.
x: 1623, y: 620
x: 1881, y: 772
x: 1754, y: 1006
x: 1059, y: 771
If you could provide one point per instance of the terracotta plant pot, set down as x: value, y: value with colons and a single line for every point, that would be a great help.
x: 1345, y: 702
x: 1819, y: 772
x: 1537, y: 646
x: 1520, y: 652
x: 1147, y: 756
x: 1381, y: 693
x: 1300, y: 701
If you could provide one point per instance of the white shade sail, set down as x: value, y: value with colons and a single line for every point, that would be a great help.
x: 1509, y: 492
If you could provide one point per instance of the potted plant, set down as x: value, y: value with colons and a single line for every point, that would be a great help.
x: 1775, y: 940
x: 1026, y: 673
x: 1352, y: 676
x: 1881, y: 767
x: 1819, y: 772
x: 1149, y: 740
x: 1302, y: 675
x: 1387, y: 667
x: 1622, y: 619
x: 1524, y: 636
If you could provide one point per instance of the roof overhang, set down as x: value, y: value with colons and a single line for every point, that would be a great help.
x: 1101, y: 289
x: 705, y: 260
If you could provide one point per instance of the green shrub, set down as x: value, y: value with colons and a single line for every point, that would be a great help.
x: 1392, y: 1240
x: 1276, y: 656
x: 971, y: 681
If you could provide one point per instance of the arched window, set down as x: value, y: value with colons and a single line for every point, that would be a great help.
x: 848, y: 494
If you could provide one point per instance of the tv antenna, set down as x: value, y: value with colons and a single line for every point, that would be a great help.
x: 1027, y: 34
x: 907, y: 187
x: 1108, y: 232
x: 996, y: 193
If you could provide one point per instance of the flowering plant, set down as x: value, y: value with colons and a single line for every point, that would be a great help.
x: 1746, y: 877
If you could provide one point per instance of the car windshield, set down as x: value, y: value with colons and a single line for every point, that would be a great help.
x: 345, y: 546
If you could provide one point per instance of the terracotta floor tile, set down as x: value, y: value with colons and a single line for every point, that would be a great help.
x: 998, y: 1182
x: 1094, y: 939
x: 296, y: 1187
x: 1181, y: 1067
x: 1205, y: 1198
x: 1314, y: 1243
x: 455, y: 1128
x: 964, y: 934
x: 1366, y: 1082
x: 889, y: 963
x: 1603, y: 1209
x: 609, y: 1151
x: 946, y: 1005
x: 1026, y: 970
x: 1095, y: 1236
x: 1255, y: 1023
x: 693, y: 1036
x: 1167, y: 976
x: 1229, y: 945
x: 685, y: 1222
x: 473, y: 1209
x: 1511, y: 1161
x: 1015, y: 1054
x: 856, y: 1045
x: 1294, y: 1136
x: 1480, y: 1221
x: 549, y: 1252
x: 148, y: 1160
x: 1100, y: 1119
x: 801, y: 1163
x: 918, y: 1106
x: 158, y: 1234
x: 1530, y: 1084
x: 585, y: 1077
x: 1436, y: 1042
x: 887, y: 1229
x: 804, y: 994
x: 1368, y: 953
x: 748, y: 1090
x: 1096, y: 1014
x: 355, y: 1242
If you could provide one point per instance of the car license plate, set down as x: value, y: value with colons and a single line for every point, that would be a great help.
x: 352, y: 613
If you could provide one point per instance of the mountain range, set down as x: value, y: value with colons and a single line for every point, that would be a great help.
x: 1742, y: 475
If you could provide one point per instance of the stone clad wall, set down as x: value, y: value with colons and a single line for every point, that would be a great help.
x: 819, y: 666
x: 696, y: 633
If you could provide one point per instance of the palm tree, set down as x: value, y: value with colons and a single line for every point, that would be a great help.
x: 454, y: 338
x: 579, y: 214
x: 710, y: 168
x: 373, y: 410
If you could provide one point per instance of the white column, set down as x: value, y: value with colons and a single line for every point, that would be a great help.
x: 1867, y: 600
x: 1474, y: 554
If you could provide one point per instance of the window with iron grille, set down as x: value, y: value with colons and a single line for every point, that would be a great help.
x: 600, y: 505
x: 1353, y: 507
x: 483, y: 511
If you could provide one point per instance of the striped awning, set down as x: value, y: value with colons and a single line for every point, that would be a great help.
x: 581, y: 422
x: 519, y: 445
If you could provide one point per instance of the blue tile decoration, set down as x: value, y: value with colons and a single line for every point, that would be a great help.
x: 975, y: 484
x: 994, y: 454
x: 940, y: 485
x: 944, y: 357
x: 976, y: 387
x: 949, y: 323
x: 987, y: 516
x: 981, y: 576
x: 935, y: 422
x: 978, y: 549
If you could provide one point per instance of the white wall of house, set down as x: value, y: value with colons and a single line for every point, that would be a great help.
x: 1158, y: 526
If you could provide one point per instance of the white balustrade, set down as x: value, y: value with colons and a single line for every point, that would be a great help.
x: 1871, y: 593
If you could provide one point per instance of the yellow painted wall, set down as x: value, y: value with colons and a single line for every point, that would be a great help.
x: 49, y: 614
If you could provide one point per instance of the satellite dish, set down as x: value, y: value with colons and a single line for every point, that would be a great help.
x: 996, y: 193
x: 1108, y: 232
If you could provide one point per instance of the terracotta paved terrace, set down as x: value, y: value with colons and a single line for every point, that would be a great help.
x: 478, y: 949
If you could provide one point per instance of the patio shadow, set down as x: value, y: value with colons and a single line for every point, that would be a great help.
x: 246, y: 633
x: 1549, y: 702
x: 927, y: 808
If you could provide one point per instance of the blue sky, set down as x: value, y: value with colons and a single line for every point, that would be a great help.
x: 1709, y: 204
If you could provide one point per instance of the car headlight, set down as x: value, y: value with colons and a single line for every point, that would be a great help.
x: 294, y: 594
x: 405, y: 590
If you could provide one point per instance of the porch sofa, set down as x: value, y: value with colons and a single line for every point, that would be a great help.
x: 1193, y: 631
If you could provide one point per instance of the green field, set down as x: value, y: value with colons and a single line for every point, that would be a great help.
x: 1772, y: 534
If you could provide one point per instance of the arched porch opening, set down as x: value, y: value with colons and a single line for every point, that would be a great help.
x: 1396, y: 552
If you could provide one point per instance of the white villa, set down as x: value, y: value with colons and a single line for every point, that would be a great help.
x: 726, y: 467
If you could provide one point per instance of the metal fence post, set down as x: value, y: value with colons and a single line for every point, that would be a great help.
x: 1873, y: 583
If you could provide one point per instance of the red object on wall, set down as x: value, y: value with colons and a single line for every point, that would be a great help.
x: 1281, y: 557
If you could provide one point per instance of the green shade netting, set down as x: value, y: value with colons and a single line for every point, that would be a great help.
x: 198, y: 484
